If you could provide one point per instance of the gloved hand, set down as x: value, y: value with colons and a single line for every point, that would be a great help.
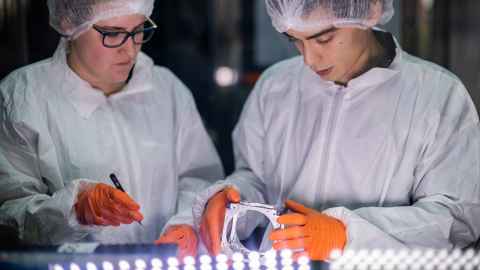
x: 105, y: 205
x: 316, y: 233
x: 184, y: 236
x: 211, y: 224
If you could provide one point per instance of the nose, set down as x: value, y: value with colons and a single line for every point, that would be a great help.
x: 130, y: 48
x: 310, y: 57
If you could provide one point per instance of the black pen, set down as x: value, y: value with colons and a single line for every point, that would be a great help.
x: 117, y: 185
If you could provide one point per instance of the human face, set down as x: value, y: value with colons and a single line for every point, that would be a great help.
x: 335, y: 54
x: 105, y: 68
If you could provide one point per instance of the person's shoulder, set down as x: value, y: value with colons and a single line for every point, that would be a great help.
x: 438, y: 89
x: 279, y: 77
x: 429, y: 72
x: 22, y: 86
x: 285, y: 69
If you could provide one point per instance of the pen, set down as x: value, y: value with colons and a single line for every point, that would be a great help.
x: 117, y: 185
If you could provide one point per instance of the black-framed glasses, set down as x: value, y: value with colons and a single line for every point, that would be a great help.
x: 116, y: 38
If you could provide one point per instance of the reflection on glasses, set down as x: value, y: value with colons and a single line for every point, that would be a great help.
x: 116, y: 38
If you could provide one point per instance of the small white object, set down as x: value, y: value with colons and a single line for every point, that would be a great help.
x: 205, y: 259
x: 221, y: 258
x: 286, y: 261
x: 74, y: 266
x: 172, y: 262
x: 91, y: 266
x: 303, y: 260
x: 156, y: 263
x: 189, y: 267
x: 205, y: 267
x: 286, y: 253
x: 107, y: 265
x: 57, y: 267
x: 123, y: 265
x: 226, y: 76
x: 254, y: 256
x: 189, y: 260
x: 140, y: 264
x: 222, y: 266
x: 238, y: 265
x: 237, y: 257
x: 335, y: 254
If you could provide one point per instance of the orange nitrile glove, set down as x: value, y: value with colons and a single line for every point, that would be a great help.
x: 105, y: 205
x: 184, y: 237
x: 211, y: 223
x: 316, y: 233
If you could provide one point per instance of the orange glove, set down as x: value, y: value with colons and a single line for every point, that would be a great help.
x: 105, y: 205
x: 211, y: 224
x: 184, y: 237
x: 316, y: 233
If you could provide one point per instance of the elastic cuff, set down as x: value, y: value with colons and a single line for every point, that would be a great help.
x: 201, y: 200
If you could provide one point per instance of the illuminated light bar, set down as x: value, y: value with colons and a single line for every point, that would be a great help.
x: 406, y: 259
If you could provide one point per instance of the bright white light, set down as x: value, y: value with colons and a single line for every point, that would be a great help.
x: 335, y: 254
x: 376, y: 253
x: 238, y: 265
x: 237, y: 257
x: 57, y: 267
x: 189, y: 260
x: 222, y: 266
x: 270, y: 263
x: 91, y: 266
x: 221, y: 258
x: 286, y: 253
x: 286, y: 261
x: 304, y: 267
x: 271, y: 254
x: 74, y: 266
x: 289, y: 267
x: 172, y: 262
x: 107, y: 265
x: 205, y: 267
x: 226, y: 76
x: 254, y: 264
x: 139, y: 263
x: 173, y: 268
x: 156, y: 263
x: 189, y: 267
x: 124, y: 265
x: 303, y: 260
x: 205, y: 259
x: 254, y: 256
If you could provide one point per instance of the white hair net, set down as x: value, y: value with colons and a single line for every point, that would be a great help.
x: 306, y: 15
x: 73, y: 17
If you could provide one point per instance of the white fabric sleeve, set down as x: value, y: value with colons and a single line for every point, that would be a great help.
x: 445, y: 210
x: 28, y: 205
x: 198, y: 163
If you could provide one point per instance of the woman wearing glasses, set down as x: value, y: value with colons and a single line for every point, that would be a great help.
x: 100, y: 106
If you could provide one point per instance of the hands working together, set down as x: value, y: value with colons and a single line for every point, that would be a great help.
x: 308, y: 232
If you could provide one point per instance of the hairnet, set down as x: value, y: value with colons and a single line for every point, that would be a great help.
x: 305, y: 15
x: 73, y: 17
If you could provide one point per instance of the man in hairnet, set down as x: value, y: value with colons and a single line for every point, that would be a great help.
x: 369, y: 146
x: 100, y: 106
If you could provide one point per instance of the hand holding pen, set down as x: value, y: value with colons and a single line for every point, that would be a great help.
x: 105, y: 205
x: 117, y: 184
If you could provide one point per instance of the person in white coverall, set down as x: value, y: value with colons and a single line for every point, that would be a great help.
x: 369, y: 146
x: 100, y: 106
